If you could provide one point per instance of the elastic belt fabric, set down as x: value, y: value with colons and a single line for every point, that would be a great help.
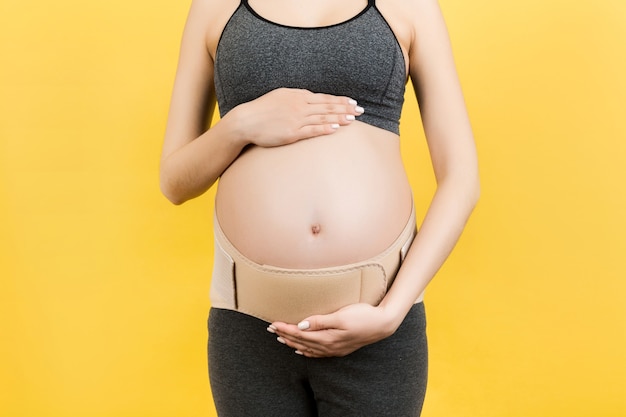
x: 290, y: 295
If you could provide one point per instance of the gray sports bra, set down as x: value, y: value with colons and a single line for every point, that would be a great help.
x: 359, y: 58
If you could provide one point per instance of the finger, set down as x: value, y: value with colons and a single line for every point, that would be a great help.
x: 322, y: 98
x: 314, y: 348
x: 298, y: 347
x: 320, y: 322
x: 331, y: 104
x: 329, y: 119
x: 339, y: 109
x: 311, y: 353
x: 311, y: 131
x: 319, y: 340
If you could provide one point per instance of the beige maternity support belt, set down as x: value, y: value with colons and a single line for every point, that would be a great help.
x: 290, y: 295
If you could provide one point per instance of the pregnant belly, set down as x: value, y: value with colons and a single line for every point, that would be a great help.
x: 321, y: 202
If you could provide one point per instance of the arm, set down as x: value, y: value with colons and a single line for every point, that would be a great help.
x: 192, y: 158
x: 453, y: 154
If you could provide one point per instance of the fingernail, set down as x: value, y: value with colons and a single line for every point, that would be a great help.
x: 271, y: 329
x: 349, y: 117
x: 281, y: 340
x: 335, y: 126
x: 352, y: 102
x: 359, y: 109
x: 299, y: 353
x: 303, y: 325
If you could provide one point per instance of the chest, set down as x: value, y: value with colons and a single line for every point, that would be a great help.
x: 360, y: 56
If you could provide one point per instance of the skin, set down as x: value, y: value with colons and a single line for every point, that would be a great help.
x: 194, y: 158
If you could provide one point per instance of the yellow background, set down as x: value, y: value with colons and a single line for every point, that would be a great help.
x: 103, y: 289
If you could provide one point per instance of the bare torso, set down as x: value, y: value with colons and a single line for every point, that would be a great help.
x: 321, y: 202
x: 326, y: 201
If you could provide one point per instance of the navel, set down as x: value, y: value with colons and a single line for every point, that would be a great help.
x: 316, y: 229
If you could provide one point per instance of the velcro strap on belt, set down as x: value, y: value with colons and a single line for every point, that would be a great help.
x: 293, y: 296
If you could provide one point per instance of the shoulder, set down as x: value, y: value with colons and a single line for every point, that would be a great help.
x: 419, y: 25
x: 210, y: 9
x: 411, y: 15
x: 404, y: 18
x: 409, y: 8
x: 210, y: 17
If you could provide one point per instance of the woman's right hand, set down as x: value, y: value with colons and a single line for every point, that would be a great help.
x: 287, y: 115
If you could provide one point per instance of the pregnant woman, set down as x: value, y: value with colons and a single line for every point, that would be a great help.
x: 319, y: 271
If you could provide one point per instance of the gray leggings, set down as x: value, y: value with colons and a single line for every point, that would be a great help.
x: 253, y: 375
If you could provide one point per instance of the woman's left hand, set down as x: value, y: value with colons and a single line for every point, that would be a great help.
x: 336, y: 334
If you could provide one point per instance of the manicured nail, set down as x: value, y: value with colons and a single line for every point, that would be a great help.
x: 303, y: 325
x: 359, y: 109
x: 352, y: 102
x: 349, y: 117
x: 281, y: 340
x: 299, y: 353
x: 335, y: 126
x: 271, y: 329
